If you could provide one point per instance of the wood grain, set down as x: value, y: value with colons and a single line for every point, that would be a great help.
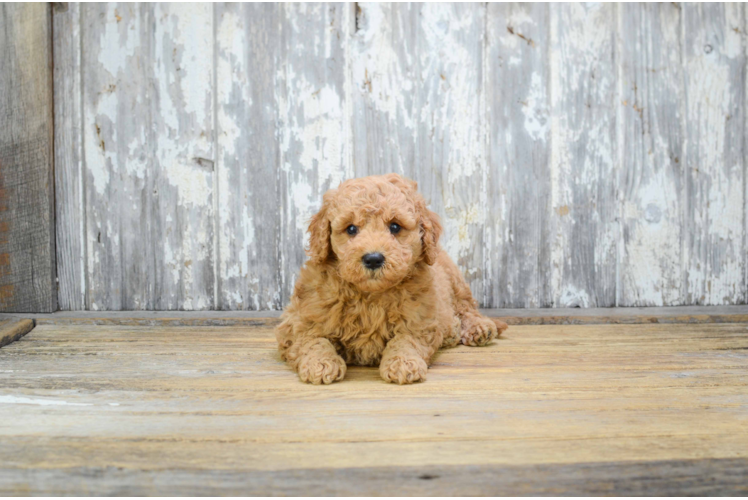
x: 583, y: 155
x: 248, y: 240
x: 651, y: 110
x: 385, y: 85
x: 705, y: 477
x: 70, y: 215
x: 579, y: 155
x: 182, y: 221
x: 12, y: 330
x: 120, y: 165
x: 517, y: 262
x: 129, y: 402
x: 27, y: 241
x: 714, y: 69
x: 451, y: 128
x: 315, y: 123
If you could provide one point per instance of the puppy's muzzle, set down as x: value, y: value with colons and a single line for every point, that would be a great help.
x: 373, y: 260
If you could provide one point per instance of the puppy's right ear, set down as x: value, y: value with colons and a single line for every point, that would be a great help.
x: 319, y: 234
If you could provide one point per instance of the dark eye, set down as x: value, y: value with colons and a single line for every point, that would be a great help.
x: 395, y: 228
x: 351, y: 230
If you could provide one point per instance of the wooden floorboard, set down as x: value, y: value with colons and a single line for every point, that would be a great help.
x: 550, y: 409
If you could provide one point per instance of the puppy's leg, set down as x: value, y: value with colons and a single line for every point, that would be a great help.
x: 316, y: 361
x: 477, y: 330
x: 405, y: 359
x: 453, y: 336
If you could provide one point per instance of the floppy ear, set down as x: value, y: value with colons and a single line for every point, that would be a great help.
x: 319, y: 234
x: 431, y: 230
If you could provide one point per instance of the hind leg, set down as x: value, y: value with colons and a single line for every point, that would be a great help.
x: 475, y: 329
x: 478, y: 330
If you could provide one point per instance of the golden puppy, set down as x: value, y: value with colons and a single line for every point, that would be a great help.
x: 377, y: 289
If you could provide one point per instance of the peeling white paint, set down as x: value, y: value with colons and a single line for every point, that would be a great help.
x: 405, y: 91
x: 535, y: 109
x: 714, y: 67
x: 119, y: 41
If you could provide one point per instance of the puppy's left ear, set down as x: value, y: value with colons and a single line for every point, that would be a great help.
x: 431, y: 230
x: 319, y: 234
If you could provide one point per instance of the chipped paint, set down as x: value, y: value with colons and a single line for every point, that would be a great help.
x: 714, y: 68
x: 567, y: 157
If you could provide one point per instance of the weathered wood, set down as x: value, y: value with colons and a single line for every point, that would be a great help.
x: 702, y: 477
x: 12, y: 330
x: 556, y: 316
x: 149, y: 156
x: 248, y: 239
x: 652, y: 107
x: 451, y: 128
x: 70, y: 216
x: 385, y: 84
x: 27, y: 241
x: 579, y: 155
x: 120, y: 168
x: 583, y: 155
x: 417, y: 90
x: 715, y: 169
x: 181, y: 136
x: 517, y: 259
x: 314, y: 117
x: 118, y: 404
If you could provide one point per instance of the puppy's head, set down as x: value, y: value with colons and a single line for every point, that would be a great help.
x: 374, y: 230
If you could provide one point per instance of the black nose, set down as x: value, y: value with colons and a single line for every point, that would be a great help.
x: 373, y: 260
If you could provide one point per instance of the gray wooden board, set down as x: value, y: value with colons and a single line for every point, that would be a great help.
x: 70, y: 216
x: 583, y: 155
x: 120, y: 167
x: 248, y: 155
x: 517, y: 234
x: 714, y: 71
x: 450, y: 139
x: 27, y: 246
x: 651, y: 107
x: 385, y: 84
x: 705, y: 477
x: 578, y: 155
x: 313, y: 116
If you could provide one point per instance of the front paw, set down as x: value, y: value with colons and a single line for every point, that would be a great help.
x: 403, y: 369
x: 322, y: 370
x: 479, y: 331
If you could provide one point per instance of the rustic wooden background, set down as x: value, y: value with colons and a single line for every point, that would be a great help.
x: 580, y: 155
x: 27, y: 233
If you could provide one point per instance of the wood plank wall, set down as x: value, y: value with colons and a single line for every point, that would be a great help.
x: 579, y: 155
x: 27, y: 242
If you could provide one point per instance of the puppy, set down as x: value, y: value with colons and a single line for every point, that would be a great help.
x: 377, y: 289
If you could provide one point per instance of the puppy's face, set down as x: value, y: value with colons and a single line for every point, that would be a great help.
x: 374, y: 230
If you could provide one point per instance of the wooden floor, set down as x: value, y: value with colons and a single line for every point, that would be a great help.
x: 548, y: 409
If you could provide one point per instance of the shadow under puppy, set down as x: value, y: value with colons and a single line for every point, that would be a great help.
x: 377, y: 289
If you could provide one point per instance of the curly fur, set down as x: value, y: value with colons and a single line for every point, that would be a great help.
x: 395, y: 317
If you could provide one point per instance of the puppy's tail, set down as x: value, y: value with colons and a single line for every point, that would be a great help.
x: 500, y: 325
